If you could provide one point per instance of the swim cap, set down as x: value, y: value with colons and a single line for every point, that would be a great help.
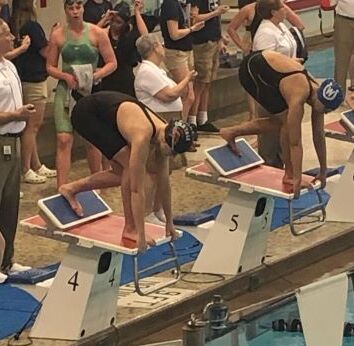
x: 330, y: 94
x: 179, y: 135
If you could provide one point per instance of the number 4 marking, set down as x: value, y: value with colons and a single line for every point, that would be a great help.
x: 112, y: 279
x: 73, y: 281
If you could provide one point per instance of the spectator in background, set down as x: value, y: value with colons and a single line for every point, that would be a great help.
x: 78, y: 43
x: 24, y: 42
x: 176, y: 32
x: 351, y: 73
x: 13, y: 117
x: 343, y: 40
x: 5, y: 11
x: 3, y: 276
x: 94, y: 10
x: 123, y: 38
x: 162, y: 95
x: 31, y: 67
x: 251, y: 20
x: 206, y: 46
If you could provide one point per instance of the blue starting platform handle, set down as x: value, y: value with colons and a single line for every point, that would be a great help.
x: 318, y: 220
x: 138, y: 273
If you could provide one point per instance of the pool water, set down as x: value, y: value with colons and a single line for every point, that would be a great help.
x: 258, y: 331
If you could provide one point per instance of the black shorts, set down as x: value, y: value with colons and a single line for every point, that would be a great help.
x: 98, y: 126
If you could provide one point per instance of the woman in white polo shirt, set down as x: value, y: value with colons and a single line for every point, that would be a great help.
x: 272, y: 34
x: 157, y: 91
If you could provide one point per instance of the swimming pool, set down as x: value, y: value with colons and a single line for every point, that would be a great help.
x: 256, y: 329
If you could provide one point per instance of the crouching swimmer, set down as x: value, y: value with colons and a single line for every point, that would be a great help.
x: 137, y: 142
x: 282, y: 87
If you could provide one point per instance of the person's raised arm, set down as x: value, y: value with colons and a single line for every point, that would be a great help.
x: 14, y: 53
x: 176, y: 33
x: 293, y: 18
x: 198, y: 17
x: 138, y: 7
x: 107, y: 53
x: 169, y: 94
x: 240, y: 18
x: 319, y: 142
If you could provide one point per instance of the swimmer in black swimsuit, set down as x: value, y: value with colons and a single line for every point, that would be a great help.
x: 282, y: 86
x: 137, y: 142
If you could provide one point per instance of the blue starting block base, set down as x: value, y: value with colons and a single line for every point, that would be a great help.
x: 34, y: 275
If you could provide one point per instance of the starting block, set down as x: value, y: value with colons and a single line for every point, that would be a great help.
x: 236, y: 241
x: 89, y: 275
x: 340, y: 206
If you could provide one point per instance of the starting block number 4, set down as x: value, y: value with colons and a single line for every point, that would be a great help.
x: 91, y: 287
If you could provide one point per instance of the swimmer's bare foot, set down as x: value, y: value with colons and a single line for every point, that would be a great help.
x: 142, y: 243
x: 67, y: 193
x: 228, y: 135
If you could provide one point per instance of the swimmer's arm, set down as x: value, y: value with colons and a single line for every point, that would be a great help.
x: 319, y: 141
x: 163, y: 181
x: 137, y: 171
x: 53, y: 58
x: 235, y: 24
x: 293, y: 18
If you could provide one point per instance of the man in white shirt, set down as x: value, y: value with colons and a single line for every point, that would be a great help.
x: 13, y: 116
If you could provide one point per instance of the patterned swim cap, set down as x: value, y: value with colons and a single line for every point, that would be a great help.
x: 330, y: 94
x: 179, y: 135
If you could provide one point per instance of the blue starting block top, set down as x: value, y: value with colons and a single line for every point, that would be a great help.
x: 348, y: 120
x: 34, y: 275
x: 193, y: 219
x: 226, y: 162
x: 58, y: 210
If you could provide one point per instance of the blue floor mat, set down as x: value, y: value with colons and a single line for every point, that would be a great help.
x: 16, y: 308
x: 321, y: 63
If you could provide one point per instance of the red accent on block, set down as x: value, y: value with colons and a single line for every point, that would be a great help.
x: 43, y: 3
x: 302, y: 4
x: 262, y: 176
x: 108, y: 230
x: 336, y: 127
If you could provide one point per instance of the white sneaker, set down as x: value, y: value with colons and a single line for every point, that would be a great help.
x: 151, y: 218
x: 44, y: 171
x: 3, y: 277
x: 16, y: 267
x: 31, y: 177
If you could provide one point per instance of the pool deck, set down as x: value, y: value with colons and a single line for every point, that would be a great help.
x: 286, y: 254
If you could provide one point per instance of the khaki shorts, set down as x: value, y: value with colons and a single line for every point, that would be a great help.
x: 177, y: 58
x: 206, y: 60
x: 34, y: 92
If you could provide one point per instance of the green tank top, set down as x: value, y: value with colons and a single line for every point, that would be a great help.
x: 79, y: 52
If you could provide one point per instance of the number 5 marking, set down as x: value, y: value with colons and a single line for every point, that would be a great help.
x: 234, y: 220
